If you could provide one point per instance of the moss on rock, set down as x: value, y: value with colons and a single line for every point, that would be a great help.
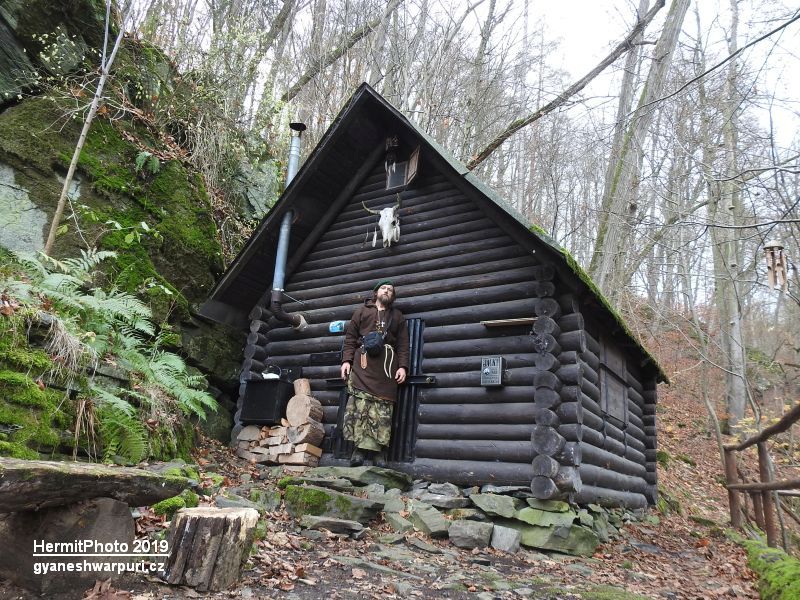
x: 168, y: 507
x: 778, y: 573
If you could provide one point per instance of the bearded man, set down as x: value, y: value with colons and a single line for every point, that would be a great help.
x: 373, y: 370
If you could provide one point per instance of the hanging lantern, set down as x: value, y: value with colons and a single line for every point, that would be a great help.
x: 776, y: 264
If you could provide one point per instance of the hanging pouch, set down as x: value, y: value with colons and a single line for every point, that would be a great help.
x: 373, y: 342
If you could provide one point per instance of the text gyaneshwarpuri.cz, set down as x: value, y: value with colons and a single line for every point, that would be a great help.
x: 71, y: 557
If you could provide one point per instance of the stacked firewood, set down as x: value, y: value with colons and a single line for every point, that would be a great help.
x: 296, y: 441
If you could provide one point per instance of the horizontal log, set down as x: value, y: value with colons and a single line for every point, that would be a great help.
x: 482, y: 450
x: 600, y: 477
x: 407, y: 278
x: 257, y: 326
x: 591, y: 344
x: 571, y: 322
x: 251, y: 364
x: 471, y: 314
x: 590, y: 389
x: 478, y: 431
x: 545, y: 466
x: 651, y: 479
x: 511, y: 377
x: 256, y: 339
x: 494, y: 345
x: 570, y: 374
x: 471, y: 331
x: 570, y: 412
x: 588, y: 373
x: 473, y: 363
x: 573, y: 340
x: 546, y: 343
x: 544, y: 273
x: 591, y: 359
x: 568, y: 479
x: 544, y: 488
x: 598, y: 440
x: 648, y: 410
x: 572, y: 432
x: 546, y: 361
x: 546, y: 398
x: 546, y: 379
x: 387, y: 260
x: 424, y: 270
x: 253, y: 351
x: 591, y: 494
x: 305, y: 346
x: 634, y: 382
x: 548, y: 307
x: 608, y: 460
x: 474, y: 395
x: 329, y: 414
x: 546, y: 440
x: 259, y: 313
x: 651, y: 455
x: 544, y: 289
x: 423, y: 241
x: 571, y: 454
x: 546, y: 417
x: 650, y: 396
x: 512, y: 413
x: 568, y: 304
x: 466, y: 472
x: 326, y: 398
x: 570, y: 357
x: 546, y: 325
x: 765, y: 486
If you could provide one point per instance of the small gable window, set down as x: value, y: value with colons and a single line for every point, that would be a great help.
x: 401, y: 167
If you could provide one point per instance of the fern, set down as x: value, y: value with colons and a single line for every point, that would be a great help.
x: 122, y: 434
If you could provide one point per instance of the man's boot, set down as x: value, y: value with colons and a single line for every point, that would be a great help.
x: 357, y: 458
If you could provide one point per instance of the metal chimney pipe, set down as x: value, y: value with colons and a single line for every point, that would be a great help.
x: 295, y: 320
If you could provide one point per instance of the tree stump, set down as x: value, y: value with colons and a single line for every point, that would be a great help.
x: 302, y: 386
x: 208, y: 546
x: 303, y: 409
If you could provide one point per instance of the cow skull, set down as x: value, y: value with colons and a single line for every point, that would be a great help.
x: 388, y: 222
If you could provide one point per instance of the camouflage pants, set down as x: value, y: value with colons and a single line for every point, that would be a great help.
x: 367, y: 421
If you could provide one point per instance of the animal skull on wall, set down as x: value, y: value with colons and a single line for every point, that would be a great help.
x: 388, y: 223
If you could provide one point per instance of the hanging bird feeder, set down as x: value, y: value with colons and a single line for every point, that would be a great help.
x: 776, y: 264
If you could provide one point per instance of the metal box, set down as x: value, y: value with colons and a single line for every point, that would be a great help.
x: 492, y: 368
x: 265, y: 401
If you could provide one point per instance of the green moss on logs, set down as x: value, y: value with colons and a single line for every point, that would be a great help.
x: 778, y: 573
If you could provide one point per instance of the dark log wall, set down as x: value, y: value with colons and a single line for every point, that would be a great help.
x: 454, y: 267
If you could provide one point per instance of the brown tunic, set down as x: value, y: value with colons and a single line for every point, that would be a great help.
x: 373, y: 379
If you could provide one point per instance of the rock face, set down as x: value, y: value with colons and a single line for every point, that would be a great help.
x: 102, y: 520
x: 319, y: 501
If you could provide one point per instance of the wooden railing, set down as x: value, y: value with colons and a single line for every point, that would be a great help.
x: 760, y: 492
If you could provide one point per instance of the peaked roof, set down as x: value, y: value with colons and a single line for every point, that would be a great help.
x: 354, y: 141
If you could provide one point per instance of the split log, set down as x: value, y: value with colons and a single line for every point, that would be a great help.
x: 544, y: 488
x: 303, y: 409
x: 308, y: 433
x: 208, y: 546
x: 545, y: 466
x: 299, y: 458
x: 35, y: 484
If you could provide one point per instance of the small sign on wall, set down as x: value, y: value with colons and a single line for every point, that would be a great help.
x: 492, y: 370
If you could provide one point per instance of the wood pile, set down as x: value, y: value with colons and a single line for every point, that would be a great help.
x: 295, y: 442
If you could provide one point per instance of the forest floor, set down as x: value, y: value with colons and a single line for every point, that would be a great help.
x: 684, y: 554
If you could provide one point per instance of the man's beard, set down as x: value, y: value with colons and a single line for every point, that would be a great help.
x: 386, y: 299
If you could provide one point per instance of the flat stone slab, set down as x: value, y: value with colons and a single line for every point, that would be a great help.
x: 37, y: 484
x: 505, y: 538
x: 339, y: 483
x: 364, y: 564
x: 444, y: 489
x: 534, y: 516
x: 548, y: 505
x: 469, y: 514
x: 575, y: 540
x: 495, y: 504
x: 441, y: 501
x: 388, y: 478
x: 398, y: 523
x: 319, y: 501
x: 428, y: 520
x: 331, y: 524
x: 470, y: 534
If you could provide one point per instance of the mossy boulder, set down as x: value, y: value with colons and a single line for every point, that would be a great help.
x: 388, y: 478
x: 778, y: 573
x: 168, y: 507
x: 318, y: 501
x: 571, y: 539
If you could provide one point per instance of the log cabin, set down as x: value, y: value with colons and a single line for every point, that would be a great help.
x: 521, y: 372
